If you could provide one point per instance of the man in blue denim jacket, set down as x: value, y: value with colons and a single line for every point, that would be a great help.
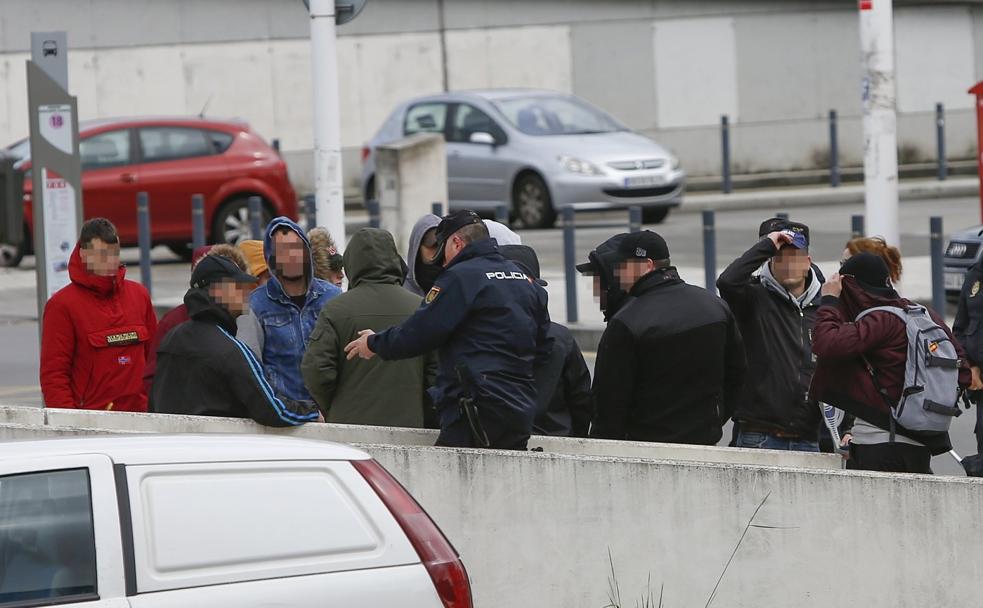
x: 282, y: 313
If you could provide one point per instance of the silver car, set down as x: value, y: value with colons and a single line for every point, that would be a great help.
x: 536, y: 151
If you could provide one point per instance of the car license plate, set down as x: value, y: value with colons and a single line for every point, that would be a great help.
x: 644, y: 181
x: 954, y: 281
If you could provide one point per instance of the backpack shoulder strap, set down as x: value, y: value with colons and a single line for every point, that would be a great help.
x: 901, y: 313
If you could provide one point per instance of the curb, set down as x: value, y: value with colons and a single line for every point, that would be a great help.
x: 844, y: 195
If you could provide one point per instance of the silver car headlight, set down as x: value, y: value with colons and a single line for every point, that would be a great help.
x: 673, y: 161
x: 578, y: 166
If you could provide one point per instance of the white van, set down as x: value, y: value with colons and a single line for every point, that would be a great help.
x: 159, y: 521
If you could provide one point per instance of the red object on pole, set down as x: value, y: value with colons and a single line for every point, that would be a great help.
x: 978, y: 91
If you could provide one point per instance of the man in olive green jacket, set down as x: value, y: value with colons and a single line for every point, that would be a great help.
x: 386, y: 393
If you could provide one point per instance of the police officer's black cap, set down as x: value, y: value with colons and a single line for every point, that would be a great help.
x: 215, y: 268
x: 777, y: 224
x: 451, y: 223
x: 643, y: 244
x: 525, y: 258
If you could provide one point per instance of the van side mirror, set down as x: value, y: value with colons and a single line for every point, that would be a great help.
x: 483, y: 138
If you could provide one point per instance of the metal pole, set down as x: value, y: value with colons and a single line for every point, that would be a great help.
x: 197, y: 221
x: 938, y: 276
x: 310, y: 210
x: 328, y: 185
x: 834, y: 151
x: 144, y: 239
x: 275, y: 144
x: 256, y: 217
x: 725, y: 152
x: 880, y: 119
x: 502, y: 214
x: 373, y: 206
x: 710, y: 250
x: 570, y: 262
x: 940, y: 138
x: 437, y: 209
x: 634, y: 218
x: 856, y: 226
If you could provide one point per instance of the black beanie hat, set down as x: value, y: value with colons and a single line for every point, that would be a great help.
x: 870, y: 271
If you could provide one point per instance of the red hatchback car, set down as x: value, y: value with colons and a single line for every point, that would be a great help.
x: 171, y: 159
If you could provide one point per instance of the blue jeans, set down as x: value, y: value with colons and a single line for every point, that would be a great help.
x: 764, y: 441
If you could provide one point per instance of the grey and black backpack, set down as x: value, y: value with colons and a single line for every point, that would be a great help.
x: 930, y: 399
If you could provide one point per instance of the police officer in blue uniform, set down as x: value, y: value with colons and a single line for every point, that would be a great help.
x: 489, y: 324
x: 968, y: 330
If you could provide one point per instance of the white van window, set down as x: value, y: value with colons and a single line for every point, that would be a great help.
x: 47, y: 542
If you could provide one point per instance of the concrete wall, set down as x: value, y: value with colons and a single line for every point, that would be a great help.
x: 344, y: 433
x: 668, y: 68
x: 546, y: 530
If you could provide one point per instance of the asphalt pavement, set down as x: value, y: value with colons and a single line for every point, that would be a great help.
x: 736, y: 231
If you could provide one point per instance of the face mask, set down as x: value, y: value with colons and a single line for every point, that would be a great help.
x: 426, y: 275
x: 612, y: 296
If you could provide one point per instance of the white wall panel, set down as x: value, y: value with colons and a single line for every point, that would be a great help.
x: 535, y: 57
x: 378, y: 72
x: 695, y: 71
x: 935, y: 57
x: 13, y: 97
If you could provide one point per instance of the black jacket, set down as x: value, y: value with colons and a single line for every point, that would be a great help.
x: 562, y: 388
x: 777, y: 332
x: 669, y: 364
x: 484, y: 314
x: 202, y: 369
x: 969, y: 316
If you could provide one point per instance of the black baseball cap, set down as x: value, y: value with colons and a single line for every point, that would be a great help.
x: 644, y: 244
x: 871, y: 273
x: 778, y: 224
x: 607, y: 253
x: 449, y: 224
x: 525, y: 258
x: 215, y: 268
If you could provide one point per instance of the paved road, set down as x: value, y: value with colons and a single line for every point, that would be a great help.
x: 736, y: 230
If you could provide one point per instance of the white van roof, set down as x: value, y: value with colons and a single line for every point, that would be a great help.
x: 169, y: 449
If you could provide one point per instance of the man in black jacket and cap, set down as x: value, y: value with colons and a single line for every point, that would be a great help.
x: 671, y: 359
x: 773, y: 291
x: 202, y: 369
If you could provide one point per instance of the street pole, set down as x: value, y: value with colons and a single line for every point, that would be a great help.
x: 880, y: 119
x: 328, y: 190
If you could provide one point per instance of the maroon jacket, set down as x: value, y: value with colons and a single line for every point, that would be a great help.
x: 842, y: 379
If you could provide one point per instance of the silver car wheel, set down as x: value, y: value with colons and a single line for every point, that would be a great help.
x: 236, y: 228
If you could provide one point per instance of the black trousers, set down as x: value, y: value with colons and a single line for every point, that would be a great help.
x: 502, y: 436
x: 890, y: 458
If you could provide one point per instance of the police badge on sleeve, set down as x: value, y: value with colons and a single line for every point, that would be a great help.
x: 432, y: 295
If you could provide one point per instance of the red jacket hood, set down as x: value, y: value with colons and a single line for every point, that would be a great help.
x: 80, y: 275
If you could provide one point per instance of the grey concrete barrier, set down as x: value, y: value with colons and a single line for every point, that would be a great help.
x: 560, y: 530
x: 552, y: 530
x: 359, y: 434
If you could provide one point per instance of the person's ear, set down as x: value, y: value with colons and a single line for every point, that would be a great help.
x: 649, y: 265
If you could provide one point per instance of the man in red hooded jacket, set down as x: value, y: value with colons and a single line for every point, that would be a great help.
x: 96, y: 331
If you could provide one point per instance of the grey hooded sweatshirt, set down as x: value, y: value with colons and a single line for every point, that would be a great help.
x: 425, y: 223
